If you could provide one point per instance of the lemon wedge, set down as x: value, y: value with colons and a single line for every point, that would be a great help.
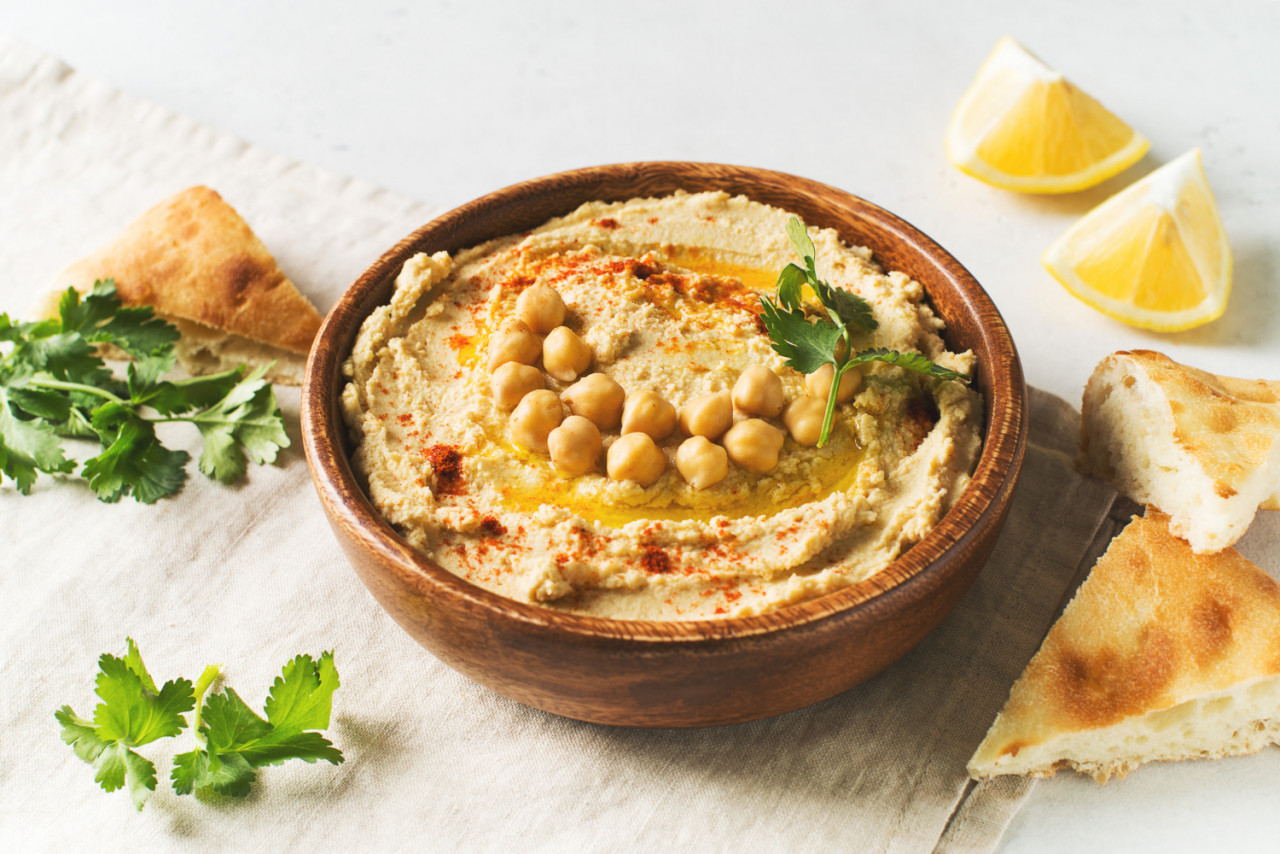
x: 1154, y: 255
x: 1021, y: 126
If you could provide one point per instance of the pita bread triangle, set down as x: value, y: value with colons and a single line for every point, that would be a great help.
x: 1203, y: 448
x: 197, y: 262
x: 1163, y: 654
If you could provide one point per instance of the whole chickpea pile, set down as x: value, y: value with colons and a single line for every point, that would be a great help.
x: 597, y: 403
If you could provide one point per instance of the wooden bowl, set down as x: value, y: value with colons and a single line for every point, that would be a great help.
x: 658, y: 673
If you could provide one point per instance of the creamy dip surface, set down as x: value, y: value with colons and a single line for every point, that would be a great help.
x: 665, y: 292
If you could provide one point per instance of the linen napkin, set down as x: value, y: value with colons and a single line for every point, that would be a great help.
x: 250, y: 575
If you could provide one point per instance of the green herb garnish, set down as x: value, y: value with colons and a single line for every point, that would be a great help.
x: 54, y: 385
x: 133, y: 712
x: 236, y: 741
x: 807, y: 343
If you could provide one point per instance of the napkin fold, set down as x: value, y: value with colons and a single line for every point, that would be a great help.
x: 250, y: 575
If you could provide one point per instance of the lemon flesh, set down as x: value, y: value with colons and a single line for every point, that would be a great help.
x: 1155, y: 255
x: 1022, y: 126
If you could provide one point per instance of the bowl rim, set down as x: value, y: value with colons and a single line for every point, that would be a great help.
x: 917, y: 572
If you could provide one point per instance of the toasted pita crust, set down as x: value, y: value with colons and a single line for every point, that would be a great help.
x: 195, y: 261
x: 1162, y: 654
x: 1202, y: 448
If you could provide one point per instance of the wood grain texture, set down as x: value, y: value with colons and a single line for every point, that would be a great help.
x: 659, y: 673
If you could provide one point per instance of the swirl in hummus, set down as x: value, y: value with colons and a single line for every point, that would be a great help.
x: 663, y: 293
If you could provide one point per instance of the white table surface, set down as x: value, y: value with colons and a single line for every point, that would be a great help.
x: 446, y: 101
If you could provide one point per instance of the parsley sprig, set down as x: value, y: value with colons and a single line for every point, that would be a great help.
x: 807, y: 342
x: 54, y: 385
x: 133, y: 712
x: 235, y: 740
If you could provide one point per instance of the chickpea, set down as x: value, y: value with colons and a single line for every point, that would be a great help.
x: 598, y: 398
x: 709, y: 415
x: 647, y: 412
x: 803, y: 418
x: 758, y: 391
x: 754, y: 445
x: 513, y: 342
x: 819, y: 383
x: 701, y: 462
x: 564, y: 355
x: 541, y: 308
x: 575, y: 445
x: 537, y: 414
x: 512, y: 381
x: 636, y: 457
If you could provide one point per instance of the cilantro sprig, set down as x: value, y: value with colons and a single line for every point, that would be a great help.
x: 807, y: 340
x: 235, y: 741
x: 133, y: 712
x: 54, y: 385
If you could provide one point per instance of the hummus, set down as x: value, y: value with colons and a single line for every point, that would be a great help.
x: 665, y: 294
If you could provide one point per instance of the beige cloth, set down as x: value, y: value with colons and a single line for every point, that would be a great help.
x: 250, y: 575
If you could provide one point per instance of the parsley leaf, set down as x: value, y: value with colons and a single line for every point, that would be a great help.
x: 28, y: 446
x: 101, y: 318
x: 133, y: 712
x: 44, y: 347
x: 804, y: 345
x: 54, y: 384
x: 198, y: 769
x: 913, y: 362
x: 801, y: 242
x: 238, y: 741
x: 133, y: 461
x: 845, y: 308
x: 852, y: 309
x: 40, y: 403
x: 302, y: 695
x: 170, y: 397
x: 807, y: 345
x: 791, y: 283
x: 132, y: 708
x: 245, y: 422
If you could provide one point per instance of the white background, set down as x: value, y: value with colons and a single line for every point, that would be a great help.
x: 448, y: 101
